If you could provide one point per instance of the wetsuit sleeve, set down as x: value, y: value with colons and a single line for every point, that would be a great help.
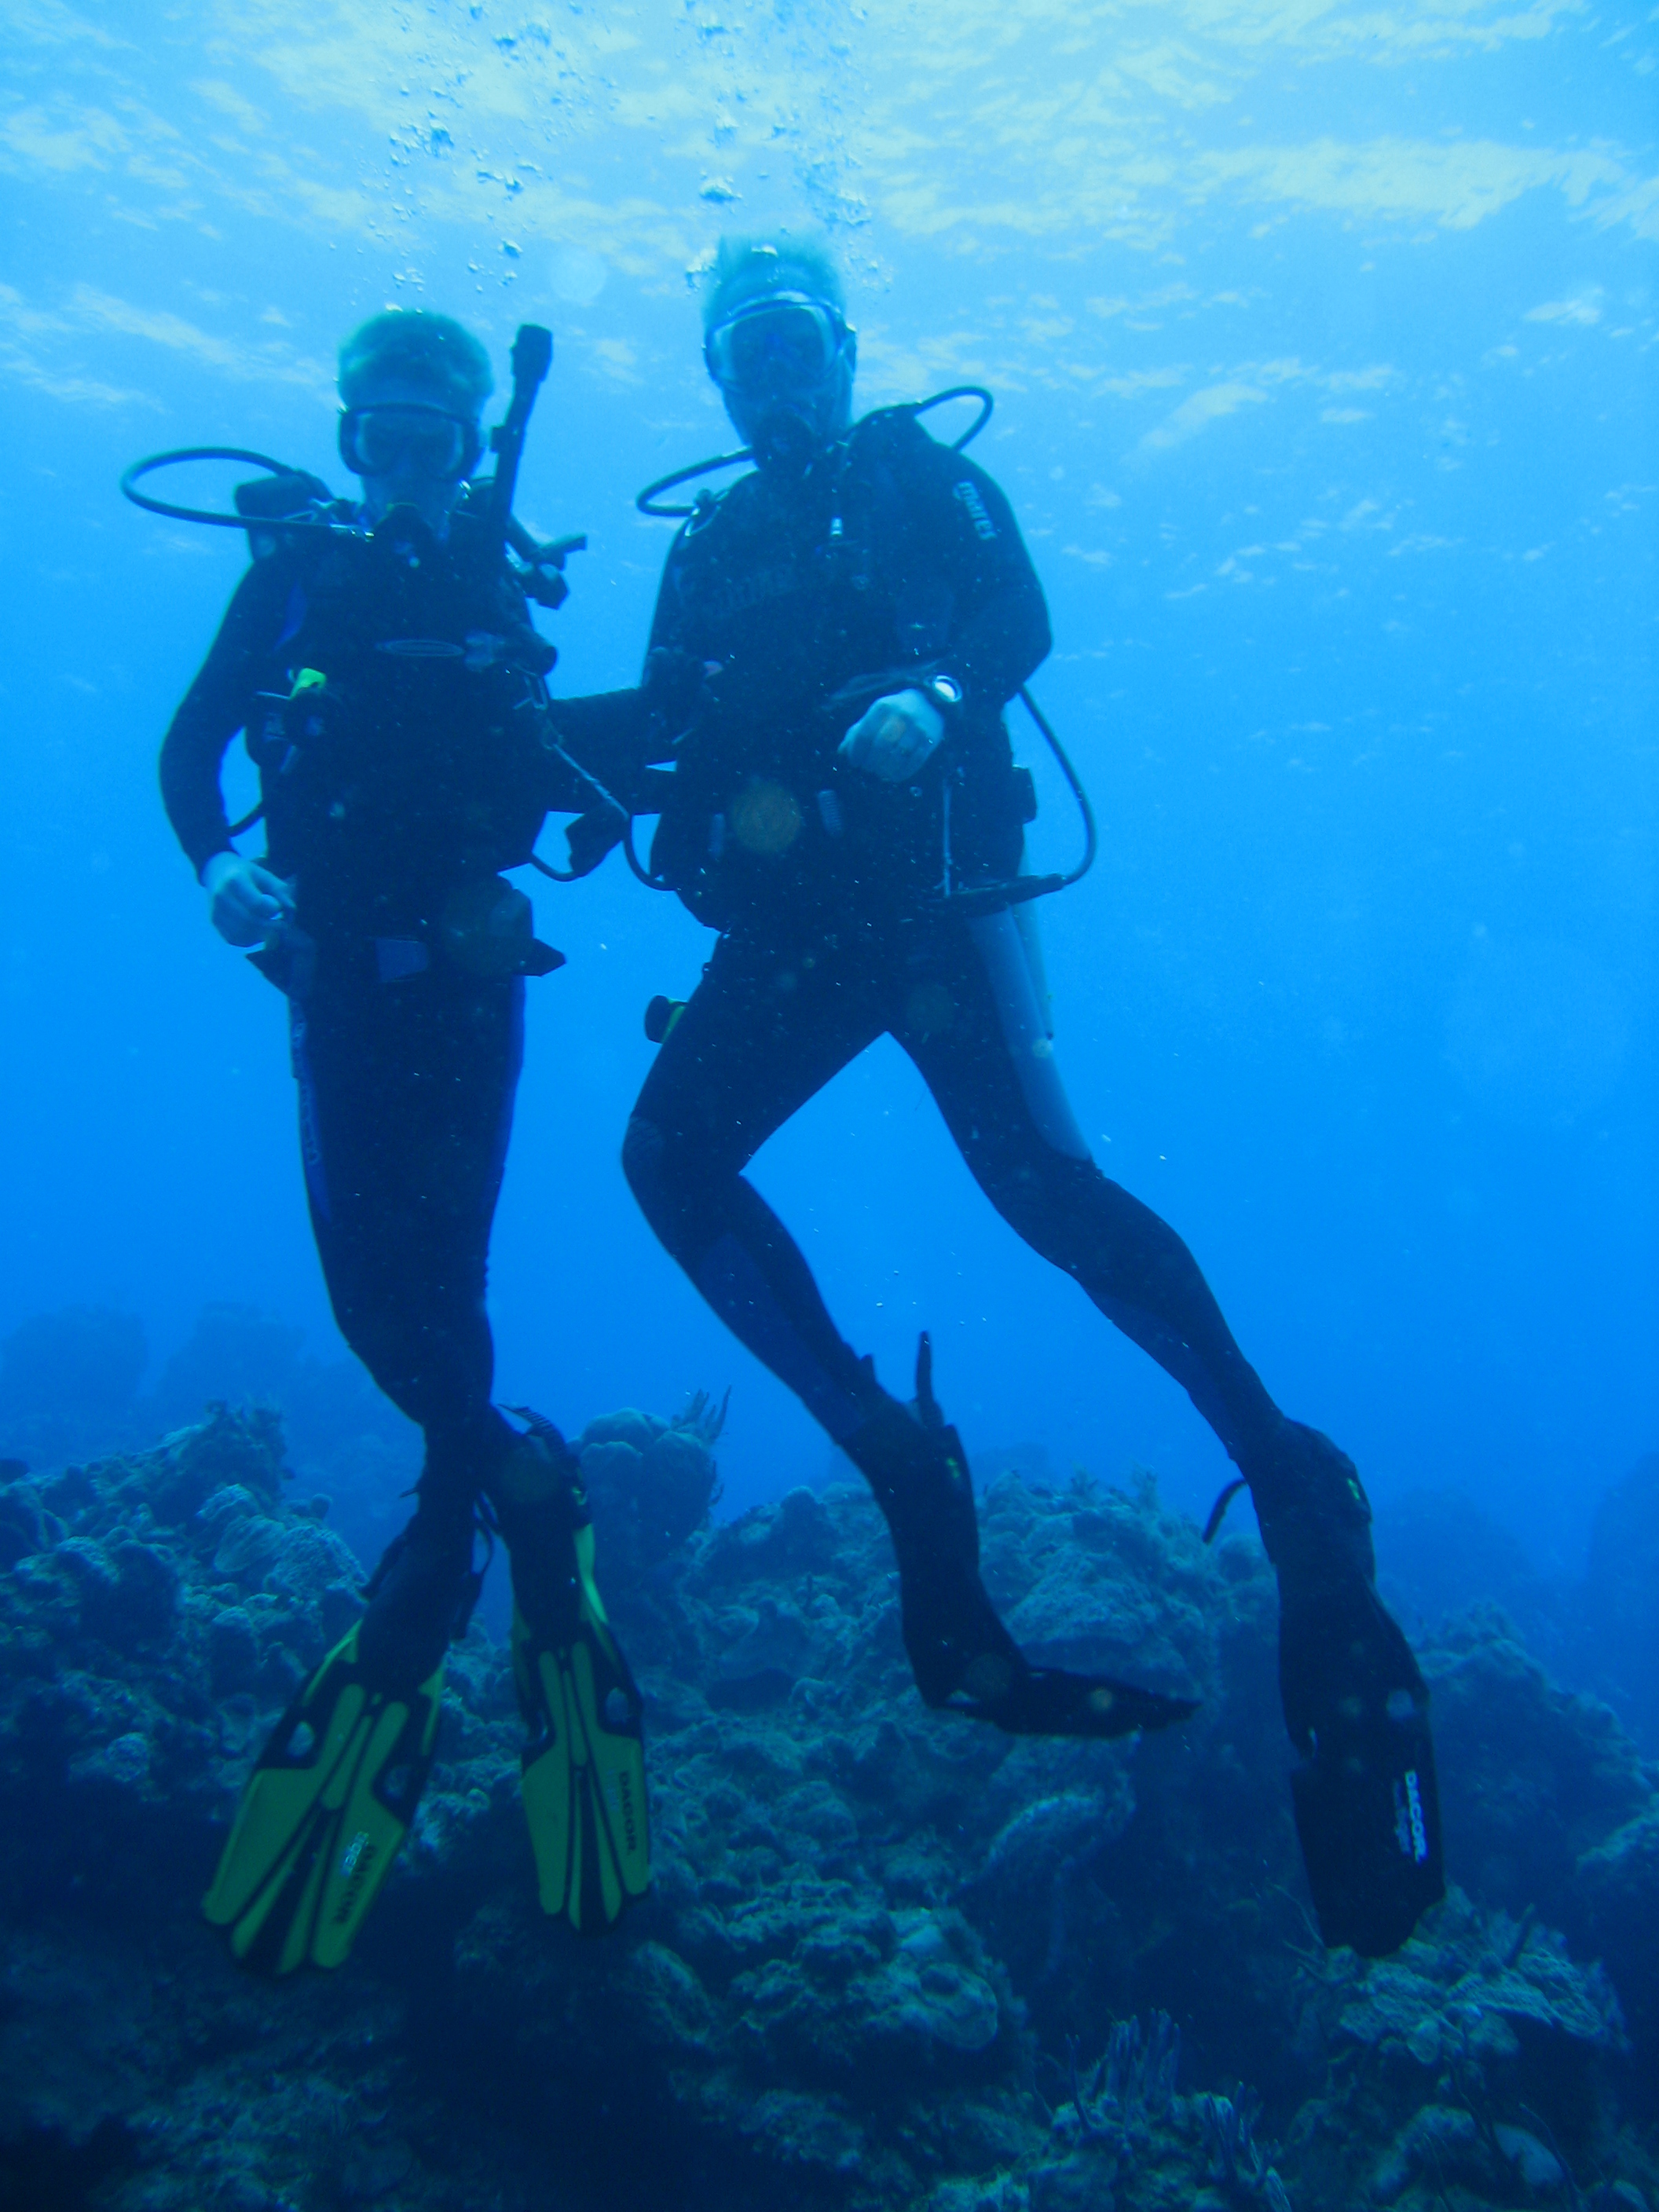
x: 617, y: 735
x: 217, y: 705
x: 1000, y: 632
x: 606, y: 736
x: 672, y: 628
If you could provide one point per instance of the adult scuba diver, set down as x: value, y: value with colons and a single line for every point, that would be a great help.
x: 844, y: 809
x: 382, y: 660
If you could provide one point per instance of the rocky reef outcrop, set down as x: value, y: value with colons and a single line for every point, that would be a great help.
x: 891, y: 1959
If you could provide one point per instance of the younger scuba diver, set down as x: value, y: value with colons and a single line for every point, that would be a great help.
x: 845, y: 811
x: 383, y: 662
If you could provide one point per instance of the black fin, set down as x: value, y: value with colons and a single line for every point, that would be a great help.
x: 1050, y: 1701
x: 1367, y: 1800
x: 929, y: 1411
x: 1356, y: 1704
x: 1219, y: 1510
x: 962, y: 1656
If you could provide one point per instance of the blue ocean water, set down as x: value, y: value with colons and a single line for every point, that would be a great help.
x: 1322, y: 343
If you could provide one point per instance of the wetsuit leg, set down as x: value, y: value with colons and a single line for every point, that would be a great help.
x: 406, y: 1093
x: 1355, y: 1701
x: 969, y: 1015
x: 762, y: 1032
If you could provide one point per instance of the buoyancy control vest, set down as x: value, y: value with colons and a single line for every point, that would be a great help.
x: 407, y: 755
x: 815, y: 600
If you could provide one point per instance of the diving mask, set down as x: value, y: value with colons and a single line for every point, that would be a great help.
x: 426, y: 441
x: 786, y: 341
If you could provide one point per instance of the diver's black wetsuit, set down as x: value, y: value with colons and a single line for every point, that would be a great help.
x: 894, y: 558
x: 891, y: 560
x: 394, y: 791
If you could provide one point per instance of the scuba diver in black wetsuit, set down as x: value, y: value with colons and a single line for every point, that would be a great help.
x: 384, y: 664
x: 844, y: 809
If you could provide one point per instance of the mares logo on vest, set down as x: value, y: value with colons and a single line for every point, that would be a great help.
x: 968, y: 492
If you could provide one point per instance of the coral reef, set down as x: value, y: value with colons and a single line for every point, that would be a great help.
x: 1615, y: 1912
x: 1438, y: 1553
x: 71, y: 1390
x: 1531, y: 1776
x: 1480, y: 2047
x: 879, y: 1941
x: 1619, y: 1636
x: 651, y: 1483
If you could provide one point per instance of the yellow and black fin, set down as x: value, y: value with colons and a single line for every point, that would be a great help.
x: 584, y: 1767
x: 323, y: 1815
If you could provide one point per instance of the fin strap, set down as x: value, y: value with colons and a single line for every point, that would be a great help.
x: 1219, y: 1510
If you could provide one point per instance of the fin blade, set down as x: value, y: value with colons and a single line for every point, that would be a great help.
x: 584, y: 1781
x: 576, y: 1864
x: 617, y: 1741
x: 364, y: 1840
x: 1050, y: 1701
x: 285, y: 1786
x: 281, y: 1943
x: 273, y: 1936
x: 1371, y: 1843
x: 547, y: 1788
x: 1123, y: 1708
x: 286, y: 1890
x: 1366, y: 1799
x: 268, y: 1833
x: 597, y: 1902
x: 278, y: 1905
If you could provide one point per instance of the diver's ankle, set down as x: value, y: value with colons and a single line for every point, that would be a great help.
x: 420, y: 1598
x: 1312, y: 1507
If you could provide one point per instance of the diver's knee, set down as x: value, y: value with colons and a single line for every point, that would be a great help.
x: 1051, y: 1202
x: 685, y: 1209
x: 654, y: 1177
x: 642, y: 1157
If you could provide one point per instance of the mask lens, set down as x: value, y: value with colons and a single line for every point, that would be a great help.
x: 427, y: 442
x: 792, y: 344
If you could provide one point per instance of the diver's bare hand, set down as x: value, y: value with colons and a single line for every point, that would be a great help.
x: 896, y: 738
x: 246, y: 902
